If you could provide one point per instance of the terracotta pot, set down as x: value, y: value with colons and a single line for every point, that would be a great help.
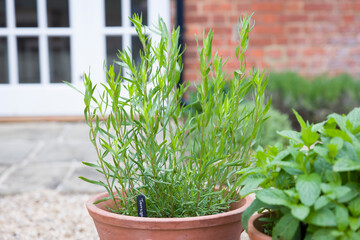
x: 224, y: 226
x: 255, y: 228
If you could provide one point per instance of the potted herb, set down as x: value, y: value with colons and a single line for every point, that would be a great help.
x: 311, y: 189
x: 144, y: 147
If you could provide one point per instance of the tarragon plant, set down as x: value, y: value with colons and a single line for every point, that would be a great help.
x: 142, y: 140
x: 312, y: 187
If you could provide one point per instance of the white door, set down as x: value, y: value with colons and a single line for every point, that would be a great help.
x: 46, y: 42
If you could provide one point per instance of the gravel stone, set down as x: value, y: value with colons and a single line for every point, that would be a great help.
x: 45, y: 214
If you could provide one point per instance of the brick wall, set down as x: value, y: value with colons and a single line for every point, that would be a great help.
x: 310, y: 37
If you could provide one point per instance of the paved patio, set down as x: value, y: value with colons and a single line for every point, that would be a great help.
x: 46, y: 155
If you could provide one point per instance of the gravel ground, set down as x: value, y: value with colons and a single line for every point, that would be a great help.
x: 45, y: 214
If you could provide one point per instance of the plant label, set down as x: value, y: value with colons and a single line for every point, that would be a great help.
x: 141, y: 206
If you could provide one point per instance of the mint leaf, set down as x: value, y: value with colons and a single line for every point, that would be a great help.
x: 274, y: 197
x: 286, y: 227
x: 354, y: 207
x: 341, y: 217
x: 308, y: 187
x: 323, y: 217
x: 300, y: 211
x: 344, y: 165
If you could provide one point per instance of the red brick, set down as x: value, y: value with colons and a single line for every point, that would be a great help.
x: 270, y: 30
x: 190, y: 7
x: 313, y: 52
x: 356, y: 7
x: 191, y: 54
x: 267, y: 6
x: 294, y: 18
x: 291, y: 53
x: 318, y: 7
x: 268, y: 18
x: 327, y: 18
x: 294, y: 29
x: 274, y: 53
x: 257, y: 53
x: 349, y: 18
x: 217, y: 7
x: 218, y: 19
x: 195, y: 19
x: 222, y: 30
x: 260, y: 41
x: 281, y: 40
x: 293, y: 6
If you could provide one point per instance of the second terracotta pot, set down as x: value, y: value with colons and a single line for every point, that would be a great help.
x: 255, y: 228
x: 222, y: 226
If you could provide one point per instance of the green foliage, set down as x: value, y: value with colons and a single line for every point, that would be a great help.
x: 275, y: 120
x: 142, y: 141
x: 315, y: 181
x: 314, y: 98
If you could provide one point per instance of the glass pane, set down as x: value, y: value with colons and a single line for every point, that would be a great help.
x: 113, y: 12
x: 28, y: 59
x: 26, y: 13
x: 136, y: 46
x: 2, y: 14
x: 113, y: 44
x: 3, y: 61
x: 58, y: 13
x: 140, y: 7
x: 59, y: 57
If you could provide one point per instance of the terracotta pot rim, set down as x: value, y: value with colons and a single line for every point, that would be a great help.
x: 253, y: 231
x: 161, y: 223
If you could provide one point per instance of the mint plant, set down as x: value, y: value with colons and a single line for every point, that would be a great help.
x: 313, y: 186
x: 142, y: 140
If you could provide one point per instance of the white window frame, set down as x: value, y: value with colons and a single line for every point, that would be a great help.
x: 88, y: 51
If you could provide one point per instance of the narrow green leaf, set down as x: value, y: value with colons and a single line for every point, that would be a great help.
x: 93, y: 182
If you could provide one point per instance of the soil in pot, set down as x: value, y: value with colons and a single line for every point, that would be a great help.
x: 222, y: 226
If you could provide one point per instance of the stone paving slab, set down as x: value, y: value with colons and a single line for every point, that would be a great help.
x: 76, y: 132
x: 30, y: 131
x: 15, y: 151
x: 2, y: 169
x: 74, y: 184
x: 34, y: 176
x: 55, y: 151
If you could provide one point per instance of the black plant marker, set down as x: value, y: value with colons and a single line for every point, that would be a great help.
x: 141, y: 206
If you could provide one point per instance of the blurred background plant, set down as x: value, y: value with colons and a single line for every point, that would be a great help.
x: 314, y: 98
